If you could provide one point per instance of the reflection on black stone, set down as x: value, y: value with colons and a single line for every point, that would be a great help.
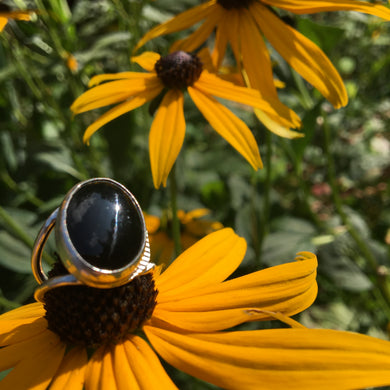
x: 104, y: 225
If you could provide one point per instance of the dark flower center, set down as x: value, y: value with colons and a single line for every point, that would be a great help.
x: 91, y: 317
x: 4, y: 8
x: 179, y: 70
x: 235, y: 4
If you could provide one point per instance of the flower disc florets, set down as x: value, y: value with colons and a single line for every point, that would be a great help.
x: 4, y: 8
x: 234, y: 4
x: 179, y: 70
x: 91, y: 317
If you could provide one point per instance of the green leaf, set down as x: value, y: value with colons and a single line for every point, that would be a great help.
x: 290, y: 236
x: 326, y: 37
x: 13, y: 254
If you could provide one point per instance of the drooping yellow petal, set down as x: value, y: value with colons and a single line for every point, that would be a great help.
x: 97, y: 96
x: 138, y: 358
x: 276, y: 128
x: 309, y: 7
x: 3, y: 23
x: 222, y: 38
x: 255, y: 57
x: 180, y: 22
x: 302, y: 55
x: 258, y: 70
x: 215, y: 86
x: 34, y: 362
x: 216, y: 256
x: 166, y: 136
x: 277, y: 359
x: 287, y: 289
x: 71, y: 373
x: 147, y: 60
x: 127, y: 106
x: 229, y: 126
x: 200, y: 35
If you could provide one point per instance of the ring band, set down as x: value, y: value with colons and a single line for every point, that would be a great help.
x: 100, y: 235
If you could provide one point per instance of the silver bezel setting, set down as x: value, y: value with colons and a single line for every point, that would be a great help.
x: 82, y: 272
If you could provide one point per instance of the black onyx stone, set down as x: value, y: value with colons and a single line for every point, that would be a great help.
x: 104, y: 225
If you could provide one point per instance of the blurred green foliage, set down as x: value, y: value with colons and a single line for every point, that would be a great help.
x: 328, y: 192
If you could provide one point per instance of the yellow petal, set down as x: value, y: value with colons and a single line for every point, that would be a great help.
x: 213, y: 85
x: 152, y: 223
x: 180, y: 22
x: 34, y: 362
x: 137, y: 357
x: 97, y: 97
x: 275, y: 127
x: 210, y: 261
x: 228, y: 27
x: 71, y: 373
x: 200, y: 35
x: 229, y: 126
x: 147, y: 60
x: 3, y: 23
x: 194, y: 214
x: 127, y: 106
x: 302, y: 55
x: 96, y: 80
x: 19, y: 15
x: 287, y: 289
x: 293, y: 359
x: 166, y: 136
x: 308, y: 7
x: 221, y: 40
x: 31, y: 311
x: 99, y: 374
x: 255, y: 57
x: 22, y: 323
x: 124, y: 374
x: 161, y: 248
x: 94, y: 368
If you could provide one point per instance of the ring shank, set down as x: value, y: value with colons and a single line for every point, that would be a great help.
x: 36, y: 256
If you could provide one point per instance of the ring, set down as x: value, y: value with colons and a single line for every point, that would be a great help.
x: 100, y: 236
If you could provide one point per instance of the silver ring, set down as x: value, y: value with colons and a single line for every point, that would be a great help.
x: 100, y: 236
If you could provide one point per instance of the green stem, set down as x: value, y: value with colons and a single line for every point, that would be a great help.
x: 15, y: 228
x: 306, y: 99
x: 359, y: 241
x: 266, y: 187
x: 175, y: 219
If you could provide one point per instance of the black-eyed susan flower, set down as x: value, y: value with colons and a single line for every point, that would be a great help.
x: 194, y: 225
x: 90, y: 338
x: 6, y: 13
x: 176, y: 72
x: 244, y: 23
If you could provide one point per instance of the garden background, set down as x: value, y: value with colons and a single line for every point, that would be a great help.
x: 327, y: 192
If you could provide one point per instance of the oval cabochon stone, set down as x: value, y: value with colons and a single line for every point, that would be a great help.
x: 104, y: 225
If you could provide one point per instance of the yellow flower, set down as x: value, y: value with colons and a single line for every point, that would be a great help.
x: 176, y: 72
x: 193, y: 227
x: 183, y: 312
x: 243, y: 23
x: 71, y: 62
x: 6, y: 13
